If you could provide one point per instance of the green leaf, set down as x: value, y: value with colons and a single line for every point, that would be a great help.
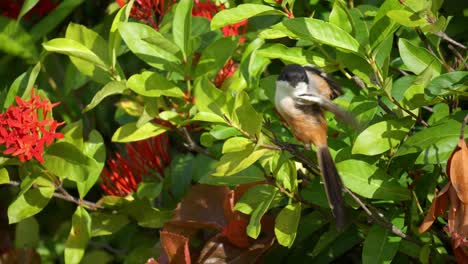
x: 26, y: 7
x: 146, y: 215
x: 245, y: 115
x: 295, y: 55
x: 137, y: 37
x: 54, y: 18
x: 382, y: 136
x: 95, y: 149
x: 370, y: 181
x: 380, y: 246
x: 407, y: 18
x: 256, y: 201
x: 249, y: 175
x: 73, y: 134
x: 79, y: 236
x: 109, y: 89
x: 325, y: 241
x: 234, y: 162
x: 433, y: 145
x: 414, y: 96
x: 209, y: 98
x: 115, y: 39
x: 73, y: 48
x: 15, y: 40
x: 153, y: 84
x: 149, y: 190
x: 182, y: 26
x: 320, y: 31
x: 417, y: 59
x: 339, y: 16
x: 447, y: 83
x: 30, y: 202
x: 104, y: 224
x: 67, y: 162
x: 27, y: 233
x: 208, y: 117
x: 381, y: 30
x: 4, y: 178
x: 286, y: 224
x: 22, y: 85
x: 253, y: 64
x: 215, y: 56
x: 240, y: 13
x: 130, y: 132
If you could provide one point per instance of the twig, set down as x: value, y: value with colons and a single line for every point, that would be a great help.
x: 448, y: 39
x: 64, y: 195
x: 380, y: 219
x: 458, y: 55
x: 191, y: 144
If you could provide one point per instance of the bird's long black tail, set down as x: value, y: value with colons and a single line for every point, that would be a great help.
x: 333, y: 186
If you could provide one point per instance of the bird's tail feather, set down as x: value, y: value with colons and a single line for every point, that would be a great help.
x: 333, y: 186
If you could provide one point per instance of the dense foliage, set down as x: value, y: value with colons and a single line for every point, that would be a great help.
x: 145, y: 131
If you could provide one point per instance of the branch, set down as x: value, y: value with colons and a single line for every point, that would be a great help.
x: 190, y: 143
x: 64, y: 195
x: 450, y: 40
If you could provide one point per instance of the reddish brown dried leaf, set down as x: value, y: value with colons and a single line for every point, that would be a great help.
x: 461, y: 255
x: 21, y: 255
x: 202, y: 207
x: 175, y: 247
x: 235, y: 232
x: 457, y: 219
x: 457, y: 169
x: 438, y: 207
x: 152, y: 261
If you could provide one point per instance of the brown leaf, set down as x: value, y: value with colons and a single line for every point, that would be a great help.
x: 457, y: 169
x: 234, y: 231
x: 202, y: 207
x: 461, y: 255
x: 175, y: 247
x: 438, y: 207
x: 152, y: 261
x: 457, y: 219
x: 21, y: 256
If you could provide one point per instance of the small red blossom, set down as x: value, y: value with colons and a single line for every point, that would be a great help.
x: 27, y: 127
x: 150, y: 12
x: 124, y: 173
x: 208, y: 9
x: 12, y: 8
x: 227, y: 71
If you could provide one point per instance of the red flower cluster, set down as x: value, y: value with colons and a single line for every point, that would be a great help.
x: 208, y: 9
x: 27, y: 127
x: 12, y: 8
x: 150, y: 12
x: 123, y: 174
x: 228, y: 70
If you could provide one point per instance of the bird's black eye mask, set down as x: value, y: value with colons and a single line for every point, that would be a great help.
x: 293, y: 74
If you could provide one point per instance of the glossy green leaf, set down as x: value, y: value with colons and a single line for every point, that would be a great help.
x: 370, y: 181
x: 27, y: 233
x: 407, y: 18
x: 257, y: 200
x: 182, y: 26
x: 109, y: 89
x: 95, y: 149
x: 15, y: 40
x: 104, y: 224
x: 209, y: 98
x: 130, y: 132
x: 135, y: 34
x: 53, y: 19
x: 153, y: 84
x: 22, y: 85
x: 447, y: 83
x: 149, y: 190
x: 245, y: 115
x: 208, y: 117
x: 236, y: 144
x: 79, y: 236
x: 240, y: 13
x: 380, y: 246
x: 26, y: 7
x: 414, y: 96
x: 215, y: 56
x: 249, y: 175
x: 67, y: 162
x: 433, y: 145
x: 417, y: 59
x: 73, y: 134
x: 115, y: 39
x: 4, y: 177
x: 292, y: 55
x: 234, y: 162
x: 339, y: 16
x: 286, y: 224
x: 146, y: 215
x: 381, y: 30
x: 325, y: 241
x: 30, y: 202
x: 73, y: 48
x: 382, y: 136
x: 322, y: 32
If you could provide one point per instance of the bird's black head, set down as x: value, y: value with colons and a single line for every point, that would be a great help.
x: 293, y: 74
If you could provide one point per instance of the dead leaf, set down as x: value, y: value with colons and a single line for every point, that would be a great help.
x: 438, y: 207
x: 175, y: 247
x: 457, y: 169
x: 235, y: 232
x: 21, y: 256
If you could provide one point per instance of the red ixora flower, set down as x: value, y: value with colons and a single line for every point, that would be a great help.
x: 144, y: 158
x: 149, y: 12
x: 208, y: 9
x: 12, y: 8
x: 228, y: 70
x: 27, y: 127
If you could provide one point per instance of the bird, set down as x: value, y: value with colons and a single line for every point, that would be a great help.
x: 303, y: 94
